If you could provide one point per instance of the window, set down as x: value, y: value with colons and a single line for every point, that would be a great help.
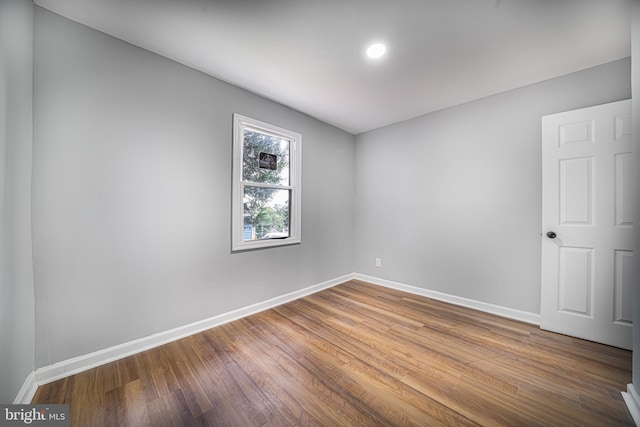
x: 266, y: 207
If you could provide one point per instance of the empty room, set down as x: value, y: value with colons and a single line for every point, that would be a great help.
x: 354, y: 213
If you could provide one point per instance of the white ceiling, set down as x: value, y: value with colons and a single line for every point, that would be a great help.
x: 309, y: 54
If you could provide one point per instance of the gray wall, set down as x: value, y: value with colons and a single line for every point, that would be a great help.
x: 451, y: 201
x: 635, y: 107
x: 16, y: 271
x: 131, y: 195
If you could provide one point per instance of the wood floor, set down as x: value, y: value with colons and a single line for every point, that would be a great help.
x: 357, y: 355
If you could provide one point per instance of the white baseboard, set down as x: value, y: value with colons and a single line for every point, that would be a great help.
x: 499, y: 310
x: 632, y: 400
x: 72, y: 366
x: 78, y: 364
x: 27, y: 391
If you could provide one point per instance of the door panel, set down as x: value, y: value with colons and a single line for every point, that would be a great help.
x: 571, y: 133
x: 623, y: 300
x: 575, y: 281
x: 576, y: 191
x: 587, y: 197
x: 623, y: 179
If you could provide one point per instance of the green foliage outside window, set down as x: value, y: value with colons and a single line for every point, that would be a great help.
x: 266, y: 209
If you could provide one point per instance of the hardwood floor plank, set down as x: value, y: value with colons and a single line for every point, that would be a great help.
x: 357, y: 355
x: 54, y: 392
x: 170, y: 410
x: 135, y: 404
x: 112, y: 414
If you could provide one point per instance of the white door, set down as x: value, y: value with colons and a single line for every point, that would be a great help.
x: 587, y: 222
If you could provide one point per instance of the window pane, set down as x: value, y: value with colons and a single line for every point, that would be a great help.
x: 265, y: 158
x: 266, y: 210
x: 266, y: 213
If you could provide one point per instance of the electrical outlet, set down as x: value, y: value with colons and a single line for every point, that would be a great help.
x: 378, y: 262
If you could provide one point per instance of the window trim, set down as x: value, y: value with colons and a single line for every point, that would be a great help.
x: 240, y: 123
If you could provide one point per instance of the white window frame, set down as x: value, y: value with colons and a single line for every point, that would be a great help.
x: 240, y: 123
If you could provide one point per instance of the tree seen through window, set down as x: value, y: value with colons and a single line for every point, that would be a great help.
x: 266, y: 209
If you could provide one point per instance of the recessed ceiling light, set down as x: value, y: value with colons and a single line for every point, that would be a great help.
x: 376, y: 50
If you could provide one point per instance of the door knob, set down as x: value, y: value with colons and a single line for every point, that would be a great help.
x: 551, y: 235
